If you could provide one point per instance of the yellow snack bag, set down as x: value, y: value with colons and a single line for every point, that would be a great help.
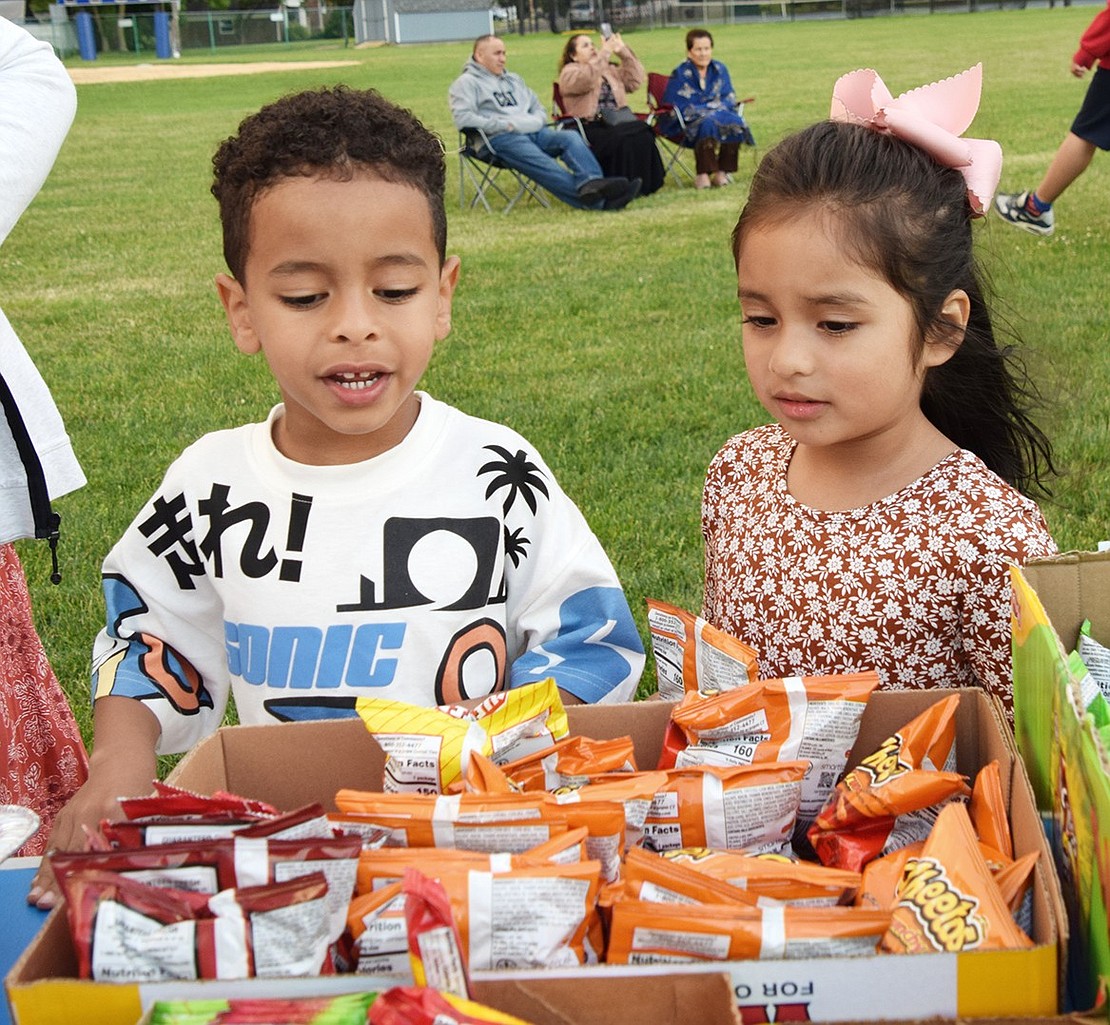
x: 428, y: 749
x: 692, y: 655
x: 771, y: 878
x: 947, y: 899
x: 742, y: 807
x: 641, y: 932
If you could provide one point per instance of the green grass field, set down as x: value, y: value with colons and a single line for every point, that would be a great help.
x: 612, y: 341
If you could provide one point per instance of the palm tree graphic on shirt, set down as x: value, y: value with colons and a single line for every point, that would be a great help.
x: 523, y: 479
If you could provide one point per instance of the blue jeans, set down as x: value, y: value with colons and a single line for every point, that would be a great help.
x: 534, y: 153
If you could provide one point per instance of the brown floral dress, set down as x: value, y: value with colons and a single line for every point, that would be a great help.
x: 914, y: 586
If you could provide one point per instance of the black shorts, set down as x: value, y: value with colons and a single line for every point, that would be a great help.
x: 1092, y: 123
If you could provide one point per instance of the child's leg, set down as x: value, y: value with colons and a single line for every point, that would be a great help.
x: 1069, y: 162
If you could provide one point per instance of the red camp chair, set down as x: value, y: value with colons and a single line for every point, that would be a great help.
x: 669, y: 127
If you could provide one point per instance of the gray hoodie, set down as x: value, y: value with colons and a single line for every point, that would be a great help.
x: 494, y: 103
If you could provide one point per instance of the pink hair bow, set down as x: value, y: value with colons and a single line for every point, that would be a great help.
x: 932, y: 117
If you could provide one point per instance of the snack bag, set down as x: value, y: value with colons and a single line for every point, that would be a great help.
x: 423, y: 1006
x: 887, y: 801
x: 435, y: 946
x: 692, y: 655
x: 309, y: 821
x: 378, y: 931
x: 476, y: 822
x: 1096, y: 657
x: 428, y: 749
x: 815, y: 718
x: 743, y: 807
x: 644, y: 933
x: 525, y: 916
x: 662, y: 880
x: 235, y: 862
x: 345, y: 1009
x: 381, y: 868
x: 168, y: 799
x: 572, y: 761
x: 947, y: 900
x: 770, y: 878
x: 127, y: 931
x: 988, y: 810
x: 634, y: 790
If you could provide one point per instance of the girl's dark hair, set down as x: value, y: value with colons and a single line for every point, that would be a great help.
x: 907, y: 218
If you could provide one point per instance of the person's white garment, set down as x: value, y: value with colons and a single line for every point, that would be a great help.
x: 37, y: 106
x: 447, y: 567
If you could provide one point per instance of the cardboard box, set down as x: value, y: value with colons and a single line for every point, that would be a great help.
x: 1060, y: 743
x: 289, y: 765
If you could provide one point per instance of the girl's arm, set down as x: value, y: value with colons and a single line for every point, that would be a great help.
x: 630, y: 71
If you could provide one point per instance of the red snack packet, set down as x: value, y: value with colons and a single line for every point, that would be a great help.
x: 435, y: 946
x: 894, y: 788
x: 418, y: 1005
x: 124, y: 930
x: 693, y: 656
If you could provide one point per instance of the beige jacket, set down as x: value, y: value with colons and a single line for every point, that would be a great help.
x: 580, y: 84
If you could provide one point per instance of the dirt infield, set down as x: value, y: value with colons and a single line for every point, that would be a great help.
x: 153, y: 72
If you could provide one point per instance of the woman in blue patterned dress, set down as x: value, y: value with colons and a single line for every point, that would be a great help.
x: 701, y: 90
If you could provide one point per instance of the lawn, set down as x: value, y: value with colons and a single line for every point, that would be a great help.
x: 610, y: 340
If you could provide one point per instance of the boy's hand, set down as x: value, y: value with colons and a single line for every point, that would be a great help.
x: 122, y: 764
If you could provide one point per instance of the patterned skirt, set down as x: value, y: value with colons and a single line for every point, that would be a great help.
x: 44, y: 759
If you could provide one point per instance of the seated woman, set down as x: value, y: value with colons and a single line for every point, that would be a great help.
x: 701, y: 91
x: 594, y: 90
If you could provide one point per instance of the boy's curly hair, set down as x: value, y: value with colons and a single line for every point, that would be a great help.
x: 330, y: 132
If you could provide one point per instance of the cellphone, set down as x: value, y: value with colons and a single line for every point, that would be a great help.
x: 606, y: 30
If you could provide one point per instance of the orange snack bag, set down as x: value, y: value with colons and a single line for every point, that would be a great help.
x: 692, y: 655
x: 815, y: 718
x: 528, y: 916
x: 654, y: 877
x: 771, y: 878
x: 379, y: 934
x: 477, y: 822
x: 743, y: 807
x: 947, y: 898
x: 887, y: 801
x: 604, y: 824
x: 988, y: 810
x: 571, y: 762
x: 641, y: 932
x: 881, y: 876
x: 634, y: 790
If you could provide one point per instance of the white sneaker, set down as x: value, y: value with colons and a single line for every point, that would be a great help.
x: 1010, y: 206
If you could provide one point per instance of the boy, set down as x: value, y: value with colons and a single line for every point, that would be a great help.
x: 366, y: 539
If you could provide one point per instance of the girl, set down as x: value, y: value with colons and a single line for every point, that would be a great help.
x: 871, y: 526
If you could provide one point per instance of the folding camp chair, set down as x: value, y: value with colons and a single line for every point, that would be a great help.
x: 559, y: 118
x: 669, y: 127
x: 482, y: 168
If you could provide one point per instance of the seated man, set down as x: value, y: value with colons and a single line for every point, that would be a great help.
x: 487, y: 96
